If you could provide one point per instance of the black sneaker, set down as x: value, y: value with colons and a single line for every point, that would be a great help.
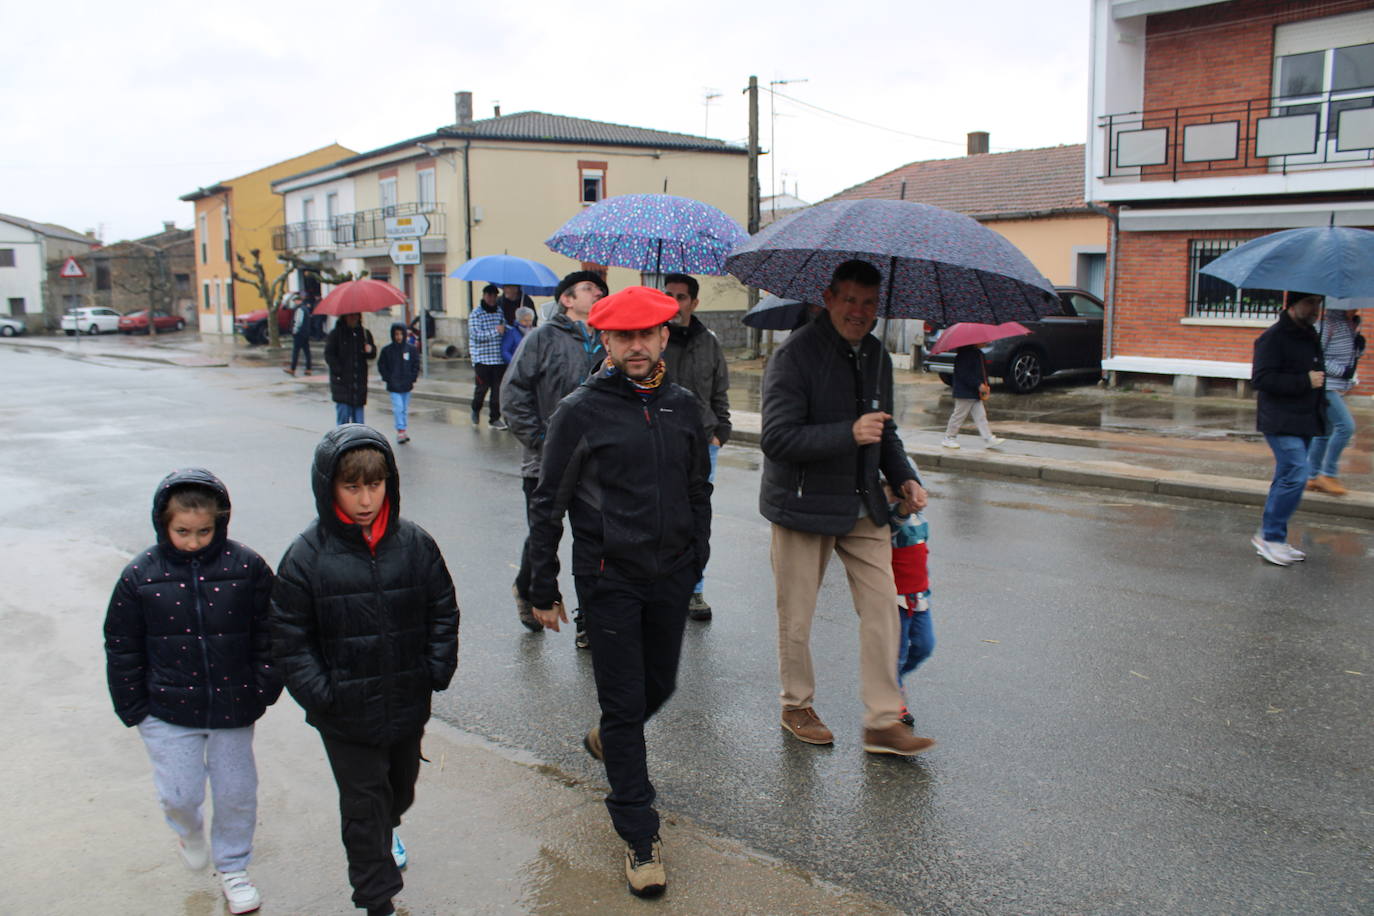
x: 580, y: 625
x: 697, y: 608
x: 499, y: 424
x: 476, y: 418
x: 525, y: 611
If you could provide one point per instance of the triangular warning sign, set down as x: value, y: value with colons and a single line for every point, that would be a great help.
x: 71, y: 269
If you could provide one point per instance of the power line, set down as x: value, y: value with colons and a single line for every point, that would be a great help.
x: 846, y: 117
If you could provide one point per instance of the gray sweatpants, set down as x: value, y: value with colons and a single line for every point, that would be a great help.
x: 182, y: 760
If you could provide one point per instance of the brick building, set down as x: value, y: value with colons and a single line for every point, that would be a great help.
x: 1214, y: 123
x: 153, y: 272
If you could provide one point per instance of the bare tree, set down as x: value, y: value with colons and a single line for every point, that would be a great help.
x: 255, y: 275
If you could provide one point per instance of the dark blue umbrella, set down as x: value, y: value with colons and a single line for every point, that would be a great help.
x: 1330, y: 260
x: 508, y: 270
x: 774, y: 314
x: 936, y: 264
x: 653, y: 233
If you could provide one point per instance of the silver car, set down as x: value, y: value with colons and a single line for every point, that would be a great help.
x: 9, y: 326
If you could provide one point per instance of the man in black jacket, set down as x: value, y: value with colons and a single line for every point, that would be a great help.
x: 364, y: 630
x: 827, y: 432
x: 1289, y: 378
x: 626, y: 459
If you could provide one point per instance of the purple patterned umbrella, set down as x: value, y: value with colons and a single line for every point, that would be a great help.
x: 936, y: 264
x: 653, y: 233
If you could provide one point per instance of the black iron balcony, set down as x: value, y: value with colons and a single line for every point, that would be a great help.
x: 1256, y: 136
x: 353, y: 230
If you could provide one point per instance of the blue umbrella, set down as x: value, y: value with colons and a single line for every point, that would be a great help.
x: 1349, y: 305
x: 775, y: 314
x: 508, y: 270
x: 1330, y: 260
x: 653, y: 233
x: 936, y: 264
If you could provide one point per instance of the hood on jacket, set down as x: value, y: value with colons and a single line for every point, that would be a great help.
x: 331, y: 450
x: 191, y: 477
x: 397, y: 326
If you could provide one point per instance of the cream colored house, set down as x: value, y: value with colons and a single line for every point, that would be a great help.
x: 500, y: 186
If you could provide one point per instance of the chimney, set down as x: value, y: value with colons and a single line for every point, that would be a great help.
x: 169, y: 225
x: 496, y: 109
x: 977, y: 142
x: 462, y: 101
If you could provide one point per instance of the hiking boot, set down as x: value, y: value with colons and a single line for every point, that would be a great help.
x: 1323, y: 484
x: 806, y: 726
x: 949, y: 442
x: 525, y: 611
x: 1273, y: 551
x: 697, y: 608
x: 239, y: 891
x: 195, y: 852
x: 644, y: 872
x: 498, y: 424
x: 592, y: 743
x: 580, y: 627
x: 398, y: 850
x: 895, y: 739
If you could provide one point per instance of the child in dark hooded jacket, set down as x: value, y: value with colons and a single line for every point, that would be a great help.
x: 399, y: 367
x: 188, y: 659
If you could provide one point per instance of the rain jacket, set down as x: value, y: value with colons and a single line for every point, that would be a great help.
x: 362, y: 639
x: 553, y: 359
x: 186, y: 634
x: 968, y: 373
x: 630, y: 471
x: 399, y: 363
x: 1286, y: 402
x: 347, y: 361
x: 815, y: 477
x: 695, y: 359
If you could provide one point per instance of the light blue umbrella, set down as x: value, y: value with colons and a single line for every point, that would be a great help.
x: 1349, y: 305
x: 508, y: 270
x: 1335, y: 261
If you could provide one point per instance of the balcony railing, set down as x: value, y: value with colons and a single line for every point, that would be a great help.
x: 353, y: 230
x: 1254, y: 136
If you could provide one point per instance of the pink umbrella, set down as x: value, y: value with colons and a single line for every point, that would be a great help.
x: 360, y: 296
x: 974, y: 334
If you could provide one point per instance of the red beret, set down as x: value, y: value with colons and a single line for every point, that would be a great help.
x: 633, y: 309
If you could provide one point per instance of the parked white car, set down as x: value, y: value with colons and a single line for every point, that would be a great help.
x: 9, y: 327
x: 90, y: 320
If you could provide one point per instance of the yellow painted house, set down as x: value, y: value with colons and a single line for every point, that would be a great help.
x: 234, y: 217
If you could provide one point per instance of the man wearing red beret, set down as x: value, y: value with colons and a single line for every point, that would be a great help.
x: 625, y: 454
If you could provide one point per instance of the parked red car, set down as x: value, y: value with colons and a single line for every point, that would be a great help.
x: 253, y: 326
x: 134, y: 322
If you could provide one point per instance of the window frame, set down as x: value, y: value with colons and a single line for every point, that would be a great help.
x: 1240, y: 304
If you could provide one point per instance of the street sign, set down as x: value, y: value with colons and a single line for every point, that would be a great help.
x: 406, y: 227
x: 405, y: 252
x: 71, y: 270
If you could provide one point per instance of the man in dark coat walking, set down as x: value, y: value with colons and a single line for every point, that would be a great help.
x: 346, y: 352
x: 1289, y: 378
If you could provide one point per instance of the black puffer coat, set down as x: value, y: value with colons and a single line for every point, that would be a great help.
x: 186, y: 637
x: 362, y: 639
x: 346, y: 352
x: 1286, y: 403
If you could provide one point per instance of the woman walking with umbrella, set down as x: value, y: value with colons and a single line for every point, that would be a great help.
x: 349, y: 346
x: 970, y: 390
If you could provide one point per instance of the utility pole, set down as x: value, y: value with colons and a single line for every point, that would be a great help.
x: 755, y: 335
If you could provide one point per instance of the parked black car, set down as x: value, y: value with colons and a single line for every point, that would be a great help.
x: 1068, y: 343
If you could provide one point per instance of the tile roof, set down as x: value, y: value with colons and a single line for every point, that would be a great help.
x: 988, y: 185
x: 52, y: 230
x: 537, y: 125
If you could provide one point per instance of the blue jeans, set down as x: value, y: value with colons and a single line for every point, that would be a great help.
x: 400, y: 403
x: 1285, y: 492
x: 347, y: 413
x: 1324, y: 454
x: 918, y: 641
x: 715, y: 450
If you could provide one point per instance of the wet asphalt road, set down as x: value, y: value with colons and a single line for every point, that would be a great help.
x: 1134, y: 713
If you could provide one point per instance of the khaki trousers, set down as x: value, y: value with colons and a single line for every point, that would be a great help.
x: 962, y: 408
x: 799, y: 561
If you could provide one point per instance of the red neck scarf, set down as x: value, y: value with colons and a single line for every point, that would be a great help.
x: 371, y: 534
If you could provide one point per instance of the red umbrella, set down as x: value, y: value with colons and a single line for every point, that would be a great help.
x: 971, y: 333
x: 360, y: 296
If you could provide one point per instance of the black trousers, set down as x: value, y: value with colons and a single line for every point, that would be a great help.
x: 488, y: 378
x: 376, y: 786
x: 522, y: 578
x: 300, y: 343
x: 635, y: 630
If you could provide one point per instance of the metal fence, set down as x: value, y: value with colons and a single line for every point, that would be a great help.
x: 351, y: 230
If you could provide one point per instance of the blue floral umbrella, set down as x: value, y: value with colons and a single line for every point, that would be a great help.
x: 1334, y: 261
x: 936, y: 264
x: 653, y: 233
x: 508, y: 270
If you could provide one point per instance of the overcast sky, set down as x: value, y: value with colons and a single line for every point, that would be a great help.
x: 114, y: 110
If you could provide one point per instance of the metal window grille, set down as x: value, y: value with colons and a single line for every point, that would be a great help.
x: 1209, y: 297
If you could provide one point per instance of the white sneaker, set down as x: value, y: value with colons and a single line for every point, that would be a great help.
x: 947, y: 442
x: 1275, y: 552
x: 195, y: 852
x: 239, y: 891
x: 1294, y: 553
x: 995, y: 441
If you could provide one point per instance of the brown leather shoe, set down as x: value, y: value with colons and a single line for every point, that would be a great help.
x: 806, y: 726
x: 592, y: 743
x: 1323, y: 484
x: 895, y: 739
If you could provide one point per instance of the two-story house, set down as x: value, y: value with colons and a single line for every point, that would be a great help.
x: 499, y: 185
x: 235, y: 217
x: 1213, y: 123
x: 28, y: 250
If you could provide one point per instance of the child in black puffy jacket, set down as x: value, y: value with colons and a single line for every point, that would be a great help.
x: 188, y: 659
